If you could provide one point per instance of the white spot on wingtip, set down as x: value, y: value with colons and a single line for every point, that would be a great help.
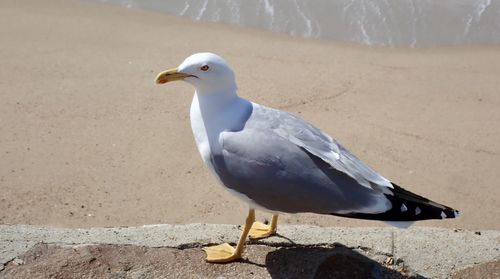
x: 456, y: 213
x: 417, y: 210
x: 403, y: 207
x: 443, y: 215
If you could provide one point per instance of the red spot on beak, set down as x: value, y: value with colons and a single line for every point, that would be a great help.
x: 162, y: 81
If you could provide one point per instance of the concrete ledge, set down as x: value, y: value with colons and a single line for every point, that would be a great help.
x: 428, y: 252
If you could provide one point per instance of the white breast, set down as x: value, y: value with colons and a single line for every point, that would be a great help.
x: 199, y: 131
x: 207, y: 140
x: 212, y: 116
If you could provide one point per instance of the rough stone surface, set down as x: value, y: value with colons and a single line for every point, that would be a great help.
x: 261, y: 261
x: 489, y: 270
x: 172, y: 251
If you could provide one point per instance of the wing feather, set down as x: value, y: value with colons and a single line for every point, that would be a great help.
x: 305, y: 135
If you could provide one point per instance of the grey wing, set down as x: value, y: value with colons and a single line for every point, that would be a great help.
x: 321, y: 145
x: 280, y: 175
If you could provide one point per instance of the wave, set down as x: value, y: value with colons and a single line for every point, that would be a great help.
x: 389, y: 23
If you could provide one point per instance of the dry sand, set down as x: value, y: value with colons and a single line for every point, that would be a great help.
x: 87, y: 138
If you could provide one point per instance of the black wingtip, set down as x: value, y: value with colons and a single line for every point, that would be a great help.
x: 433, y: 209
x: 407, y: 206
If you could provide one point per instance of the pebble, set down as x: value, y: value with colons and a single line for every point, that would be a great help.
x: 18, y: 261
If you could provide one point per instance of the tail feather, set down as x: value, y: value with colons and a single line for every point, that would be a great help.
x: 407, y: 206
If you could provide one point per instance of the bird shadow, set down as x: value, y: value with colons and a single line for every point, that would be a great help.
x: 278, y: 235
x: 329, y: 262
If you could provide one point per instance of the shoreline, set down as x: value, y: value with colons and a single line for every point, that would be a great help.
x: 399, y: 24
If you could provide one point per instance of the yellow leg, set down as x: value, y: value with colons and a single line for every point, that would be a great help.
x: 260, y: 230
x: 225, y: 253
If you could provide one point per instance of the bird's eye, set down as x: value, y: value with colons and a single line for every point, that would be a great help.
x: 204, y: 68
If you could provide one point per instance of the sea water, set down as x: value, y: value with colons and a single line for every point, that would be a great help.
x: 392, y: 23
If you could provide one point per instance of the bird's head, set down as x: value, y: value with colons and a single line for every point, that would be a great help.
x: 206, y: 71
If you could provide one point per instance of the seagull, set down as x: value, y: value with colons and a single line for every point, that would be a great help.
x: 279, y: 163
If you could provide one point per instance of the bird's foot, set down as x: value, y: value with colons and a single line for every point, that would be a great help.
x: 222, y: 253
x: 260, y: 230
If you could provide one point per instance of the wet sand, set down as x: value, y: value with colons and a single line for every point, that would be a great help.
x: 87, y: 138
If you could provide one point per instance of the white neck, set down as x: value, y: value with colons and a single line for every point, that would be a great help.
x: 212, y: 114
x: 212, y: 104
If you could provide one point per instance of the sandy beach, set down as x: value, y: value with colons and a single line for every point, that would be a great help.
x: 87, y: 139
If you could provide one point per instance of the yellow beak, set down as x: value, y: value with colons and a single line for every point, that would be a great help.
x: 170, y: 75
